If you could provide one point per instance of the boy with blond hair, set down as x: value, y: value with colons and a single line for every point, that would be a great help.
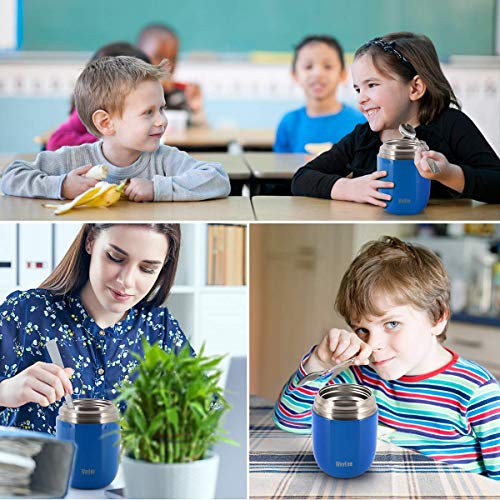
x: 395, y: 297
x: 120, y: 100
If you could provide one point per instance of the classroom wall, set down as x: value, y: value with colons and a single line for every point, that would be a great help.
x: 456, y: 26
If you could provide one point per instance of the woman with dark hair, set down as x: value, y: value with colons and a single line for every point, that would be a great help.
x: 103, y: 299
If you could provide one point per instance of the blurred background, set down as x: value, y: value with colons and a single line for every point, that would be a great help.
x: 295, y: 272
x: 238, y: 51
x: 212, y: 314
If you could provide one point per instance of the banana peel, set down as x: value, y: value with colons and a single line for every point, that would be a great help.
x: 103, y: 194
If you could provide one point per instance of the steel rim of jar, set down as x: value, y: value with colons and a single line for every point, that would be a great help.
x: 399, y: 149
x: 89, y: 411
x: 345, y: 402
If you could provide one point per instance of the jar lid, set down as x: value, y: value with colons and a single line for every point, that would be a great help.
x: 345, y: 402
x: 89, y: 411
x: 399, y: 149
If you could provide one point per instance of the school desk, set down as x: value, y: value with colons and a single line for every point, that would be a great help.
x: 282, y: 465
x: 234, y: 208
x: 197, y: 138
x: 300, y: 208
x: 273, y: 172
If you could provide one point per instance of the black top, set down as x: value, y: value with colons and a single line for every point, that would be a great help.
x: 452, y: 133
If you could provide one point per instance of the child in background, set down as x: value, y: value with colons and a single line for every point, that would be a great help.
x: 161, y: 42
x: 73, y: 132
x: 318, y: 67
x: 395, y: 296
x: 398, y: 79
x: 120, y: 99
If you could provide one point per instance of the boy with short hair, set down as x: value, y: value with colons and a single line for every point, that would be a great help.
x: 395, y: 296
x: 120, y: 100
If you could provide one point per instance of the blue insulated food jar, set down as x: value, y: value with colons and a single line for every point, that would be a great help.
x: 411, y: 191
x: 92, y: 425
x: 344, y: 429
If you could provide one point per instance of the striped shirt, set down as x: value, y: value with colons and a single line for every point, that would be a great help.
x: 451, y: 414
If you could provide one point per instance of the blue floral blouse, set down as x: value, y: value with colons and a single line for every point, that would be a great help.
x: 101, y: 358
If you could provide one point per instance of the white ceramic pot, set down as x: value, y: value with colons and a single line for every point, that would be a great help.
x: 186, y: 480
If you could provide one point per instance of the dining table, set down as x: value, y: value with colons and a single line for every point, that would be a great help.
x: 282, y: 465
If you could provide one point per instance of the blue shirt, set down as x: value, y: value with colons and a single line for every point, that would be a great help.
x: 297, y: 129
x: 100, y: 357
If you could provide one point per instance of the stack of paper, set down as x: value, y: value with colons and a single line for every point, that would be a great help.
x: 17, y: 465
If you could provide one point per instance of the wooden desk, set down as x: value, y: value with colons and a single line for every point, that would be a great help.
x: 282, y: 465
x: 208, y: 137
x: 299, y: 208
x: 234, y: 208
x: 6, y: 160
x: 274, y: 165
x: 234, y: 165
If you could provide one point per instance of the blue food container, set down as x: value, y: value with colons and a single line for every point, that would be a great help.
x: 344, y: 429
x: 411, y: 191
x: 93, y: 427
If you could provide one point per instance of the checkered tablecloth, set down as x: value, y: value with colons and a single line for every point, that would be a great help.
x: 282, y: 465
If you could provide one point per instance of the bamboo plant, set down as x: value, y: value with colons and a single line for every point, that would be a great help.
x: 174, y: 406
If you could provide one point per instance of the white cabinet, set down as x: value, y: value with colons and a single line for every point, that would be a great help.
x: 35, y: 253
x: 216, y: 315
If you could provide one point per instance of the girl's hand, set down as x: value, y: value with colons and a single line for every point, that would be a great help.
x: 449, y: 174
x: 42, y: 383
x: 363, y: 189
x: 337, y: 346
x: 140, y: 190
x: 423, y: 166
x: 76, y: 183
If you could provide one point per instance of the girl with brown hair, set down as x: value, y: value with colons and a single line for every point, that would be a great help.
x: 398, y: 79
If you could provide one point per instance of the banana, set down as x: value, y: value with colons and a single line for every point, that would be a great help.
x: 108, y: 197
x: 98, y: 172
x: 103, y: 194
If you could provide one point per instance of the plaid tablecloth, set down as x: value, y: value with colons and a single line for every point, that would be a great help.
x: 282, y: 465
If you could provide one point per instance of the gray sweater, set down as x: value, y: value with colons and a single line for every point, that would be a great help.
x: 176, y: 175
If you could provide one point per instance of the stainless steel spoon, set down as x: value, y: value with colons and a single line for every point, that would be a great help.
x: 55, y: 356
x: 333, y: 372
x: 406, y: 130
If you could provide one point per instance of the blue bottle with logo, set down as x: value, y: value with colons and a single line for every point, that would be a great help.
x: 344, y: 429
x: 93, y: 427
x: 411, y: 191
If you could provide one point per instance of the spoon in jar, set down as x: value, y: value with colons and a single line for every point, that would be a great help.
x: 407, y: 131
x: 333, y: 372
x: 55, y: 356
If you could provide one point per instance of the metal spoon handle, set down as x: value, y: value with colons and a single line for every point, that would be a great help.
x: 55, y: 356
x: 432, y: 164
x: 333, y: 372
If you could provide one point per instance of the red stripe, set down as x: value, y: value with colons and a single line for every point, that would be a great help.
x: 489, y: 413
x: 399, y: 425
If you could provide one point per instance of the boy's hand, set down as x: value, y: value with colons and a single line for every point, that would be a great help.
x: 363, y: 189
x: 76, y: 183
x: 140, y: 190
x: 337, y: 346
x: 42, y: 383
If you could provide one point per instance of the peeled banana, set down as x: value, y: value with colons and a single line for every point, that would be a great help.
x: 98, y: 172
x: 103, y: 194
